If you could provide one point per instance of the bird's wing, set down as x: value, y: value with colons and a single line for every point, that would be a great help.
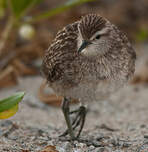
x: 60, y: 53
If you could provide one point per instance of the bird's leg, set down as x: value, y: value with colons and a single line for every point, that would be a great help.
x: 82, y: 114
x: 65, y: 109
x: 73, y: 122
x: 79, y: 120
x: 74, y: 111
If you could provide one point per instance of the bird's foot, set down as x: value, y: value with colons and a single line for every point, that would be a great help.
x: 78, y: 120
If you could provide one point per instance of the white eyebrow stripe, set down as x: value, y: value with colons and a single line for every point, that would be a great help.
x: 80, y: 35
x: 103, y: 31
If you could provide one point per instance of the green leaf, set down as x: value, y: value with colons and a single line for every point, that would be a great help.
x: 9, y: 113
x: 11, y: 101
x: 57, y: 10
x: 19, y: 7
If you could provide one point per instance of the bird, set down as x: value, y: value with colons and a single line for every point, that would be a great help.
x: 88, y: 60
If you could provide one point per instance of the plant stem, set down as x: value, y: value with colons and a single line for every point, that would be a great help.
x: 57, y: 10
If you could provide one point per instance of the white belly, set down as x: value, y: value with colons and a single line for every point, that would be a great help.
x: 88, y: 92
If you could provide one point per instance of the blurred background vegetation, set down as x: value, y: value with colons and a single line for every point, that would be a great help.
x: 28, y: 26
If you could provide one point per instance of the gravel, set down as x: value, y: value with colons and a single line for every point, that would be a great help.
x: 119, y: 124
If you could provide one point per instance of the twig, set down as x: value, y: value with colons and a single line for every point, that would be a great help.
x: 5, y: 34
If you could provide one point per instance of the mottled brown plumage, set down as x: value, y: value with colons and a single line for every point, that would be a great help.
x: 66, y: 69
x: 88, y: 60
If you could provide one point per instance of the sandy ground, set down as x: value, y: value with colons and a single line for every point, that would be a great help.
x: 119, y: 124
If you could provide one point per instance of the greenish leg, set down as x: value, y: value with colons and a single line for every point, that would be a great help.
x: 65, y: 108
x: 78, y: 121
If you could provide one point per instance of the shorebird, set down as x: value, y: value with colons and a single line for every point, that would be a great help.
x: 88, y: 60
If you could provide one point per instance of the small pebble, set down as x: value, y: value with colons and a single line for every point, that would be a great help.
x: 66, y: 145
x: 91, y: 147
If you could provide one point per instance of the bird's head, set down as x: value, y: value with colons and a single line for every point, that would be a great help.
x: 96, y: 36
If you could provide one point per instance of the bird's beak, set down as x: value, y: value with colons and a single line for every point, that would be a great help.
x: 84, y: 44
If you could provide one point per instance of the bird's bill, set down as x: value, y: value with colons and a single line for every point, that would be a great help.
x: 83, y: 45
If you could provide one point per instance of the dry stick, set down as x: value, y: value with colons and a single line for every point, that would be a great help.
x: 5, y: 34
x: 46, y: 98
x: 52, y: 99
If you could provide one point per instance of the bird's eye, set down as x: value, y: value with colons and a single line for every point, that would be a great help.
x: 98, y: 37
